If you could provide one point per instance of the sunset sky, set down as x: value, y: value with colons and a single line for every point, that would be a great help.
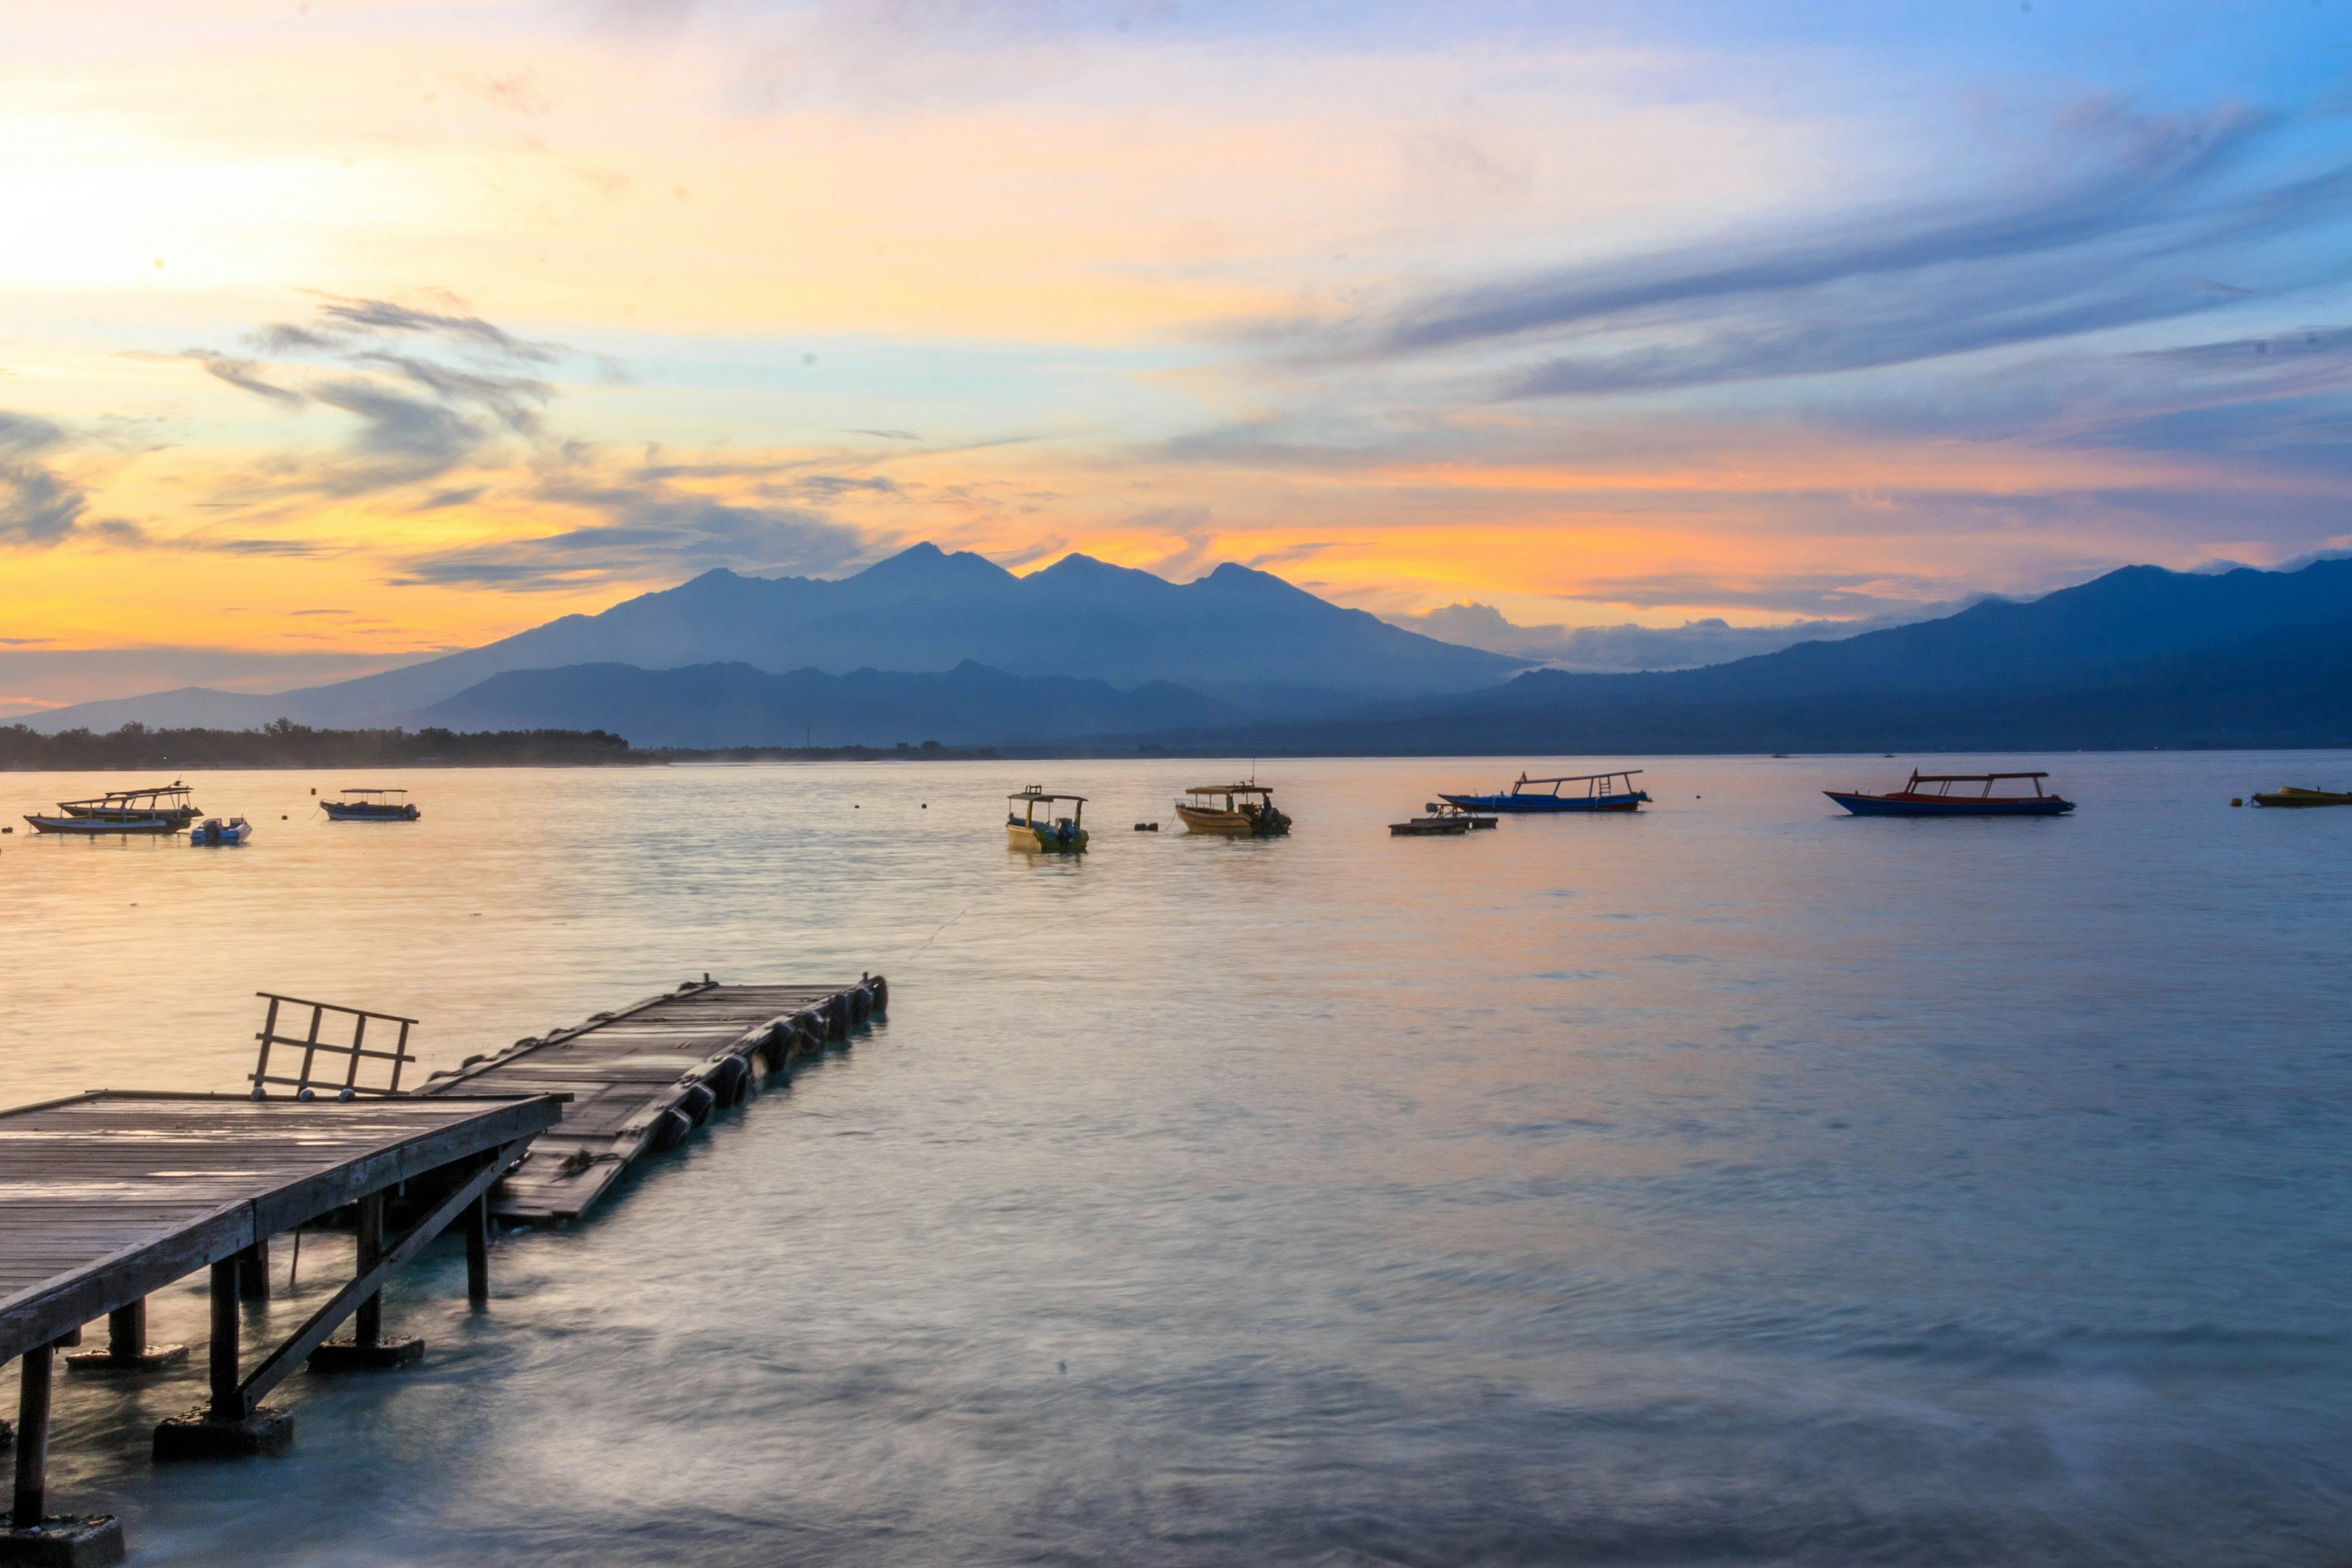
x: 333, y: 332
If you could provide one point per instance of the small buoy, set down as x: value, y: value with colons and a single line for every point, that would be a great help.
x: 854, y: 806
x: 926, y: 805
x: 2235, y: 801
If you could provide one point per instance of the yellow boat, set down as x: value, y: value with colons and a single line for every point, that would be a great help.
x: 2287, y: 795
x: 1026, y: 829
x: 1247, y: 811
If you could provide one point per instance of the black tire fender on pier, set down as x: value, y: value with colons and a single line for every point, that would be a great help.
x: 696, y: 1102
x: 728, y: 1078
x: 669, y: 1131
x: 881, y: 989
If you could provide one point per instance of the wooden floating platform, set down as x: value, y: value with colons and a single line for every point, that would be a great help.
x: 641, y: 1079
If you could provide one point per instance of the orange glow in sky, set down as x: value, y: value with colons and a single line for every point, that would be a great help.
x: 374, y: 329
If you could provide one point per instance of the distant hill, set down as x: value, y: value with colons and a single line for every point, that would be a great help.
x: 1243, y: 637
x: 2134, y: 614
x: 716, y: 705
x: 2282, y: 687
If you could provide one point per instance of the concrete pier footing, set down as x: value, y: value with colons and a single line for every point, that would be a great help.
x: 345, y: 1355
x: 196, y: 1436
x: 63, y: 1540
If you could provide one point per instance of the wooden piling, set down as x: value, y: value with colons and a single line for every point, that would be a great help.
x: 31, y: 1503
x: 477, y: 1252
x: 253, y: 1271
x: 227, y: 1404
x: 367, y: 1323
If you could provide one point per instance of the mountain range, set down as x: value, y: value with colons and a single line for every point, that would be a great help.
x: 929, y: 645
x: 717, y: 705
x: 1240, y: 637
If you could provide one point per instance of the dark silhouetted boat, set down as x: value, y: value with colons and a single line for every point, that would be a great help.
x: 1912, y: 800
x: 1442, y: 821
x: 2287, y: 795
x: 143, y: 813
x: 371, y: 805
x: 167, y: 801
x: 1601, y: 792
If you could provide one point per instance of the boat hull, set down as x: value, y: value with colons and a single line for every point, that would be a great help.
x: 1529, y: 805
x: 223, y: 835
x: 338, y: 811
x: 1231, y: 824
x: 1431, y: 827
x: 2300, y: 797
x: 1023, y: 835
x: 180, y: 816
x: 105, y: 827
x: 1938, y: 805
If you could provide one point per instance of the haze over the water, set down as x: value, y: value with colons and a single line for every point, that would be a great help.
x: 333, y: 334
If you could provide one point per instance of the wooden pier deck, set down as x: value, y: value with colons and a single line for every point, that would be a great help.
x: 642, y: 1077
x: 108, y: 1197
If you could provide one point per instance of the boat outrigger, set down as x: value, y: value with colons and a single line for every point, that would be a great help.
x: 1247, y: 811
x: 1602, y: 792
x: 2288, y: 794
x: 371, y: 805
x: 1024, y: 829
x: 1912, y: 800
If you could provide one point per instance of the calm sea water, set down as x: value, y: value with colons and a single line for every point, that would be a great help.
x: 1737, y: 1184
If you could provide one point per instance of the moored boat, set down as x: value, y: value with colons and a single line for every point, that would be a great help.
x: 1911, y: 800
x: 1602, y: 792
x: 167, y: 801
x: 371, y: 805
x: 1026, y: 829
x: 1442, y: 821
x: 214, y: 831
x: 2287, y: 795
x: 1234, y: 810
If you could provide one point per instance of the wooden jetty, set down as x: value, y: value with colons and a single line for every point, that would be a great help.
x: 108, y: 1197
x: 641, y: 1079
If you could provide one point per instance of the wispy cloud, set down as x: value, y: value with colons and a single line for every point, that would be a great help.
x: 645, y: 527
x: 38, y: 505
x: 2107, y: 239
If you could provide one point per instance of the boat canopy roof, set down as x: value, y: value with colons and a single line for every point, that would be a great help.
x: 1034, y: 793
x: 1583, y: 778
x: 1230, y: 789
x: 112, y: 796
x: 375, y: 792
x: 1919, y: 777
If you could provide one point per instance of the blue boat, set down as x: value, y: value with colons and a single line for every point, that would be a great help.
x: 1602, y: 792
x: 1912, y: 800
